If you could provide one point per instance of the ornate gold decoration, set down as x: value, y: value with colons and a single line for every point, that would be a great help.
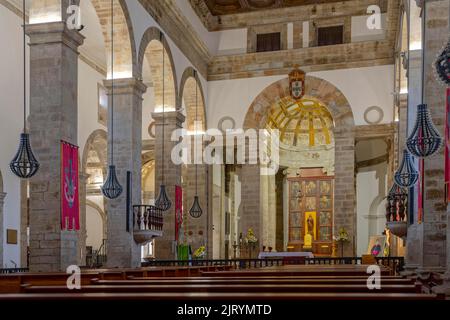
x: 301, y: 122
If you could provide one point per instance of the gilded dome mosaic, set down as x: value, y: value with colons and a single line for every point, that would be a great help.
x: 302, y: 123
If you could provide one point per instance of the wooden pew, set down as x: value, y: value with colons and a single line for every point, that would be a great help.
x: 247, y: 288
x: 217, y: 296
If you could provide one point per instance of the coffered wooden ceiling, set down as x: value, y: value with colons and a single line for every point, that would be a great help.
x: 226, y: 7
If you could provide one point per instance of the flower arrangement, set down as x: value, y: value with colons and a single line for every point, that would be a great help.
x: 342, y: 236
x: 200, y: 252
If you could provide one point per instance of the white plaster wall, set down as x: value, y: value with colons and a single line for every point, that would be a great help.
x: 232, y: 41
x: 11, y: 123
x: 94, y: 228
x: 363, y: 88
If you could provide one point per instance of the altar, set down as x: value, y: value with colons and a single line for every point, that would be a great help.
x: 274, y: 255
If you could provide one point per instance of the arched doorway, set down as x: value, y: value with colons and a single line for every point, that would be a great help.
x: 331, y: 121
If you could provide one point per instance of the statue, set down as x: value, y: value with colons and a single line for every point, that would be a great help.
x: 310, y: 222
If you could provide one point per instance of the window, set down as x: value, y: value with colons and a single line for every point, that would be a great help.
x: 328, y: 36
x: 268, y: 42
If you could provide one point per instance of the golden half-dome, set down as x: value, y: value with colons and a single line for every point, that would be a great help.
x: 306, y: 122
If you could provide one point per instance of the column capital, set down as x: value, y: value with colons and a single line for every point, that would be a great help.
x: 54, y: 32
x: 172, y: 116
x: 126, y: 86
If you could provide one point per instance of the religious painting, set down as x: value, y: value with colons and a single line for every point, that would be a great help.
x: 325, y: 203
x: 311, y: 188
x: 295, y: 234
x: 295, y: 220
x: 310, y: 224
x: 376, y: 246
x: 311, y: 203
x: 295, y: 204
x: 296, y: 190
x: 325, y: 187
x: 325, y: 234
x: 102, y: 105
x: 447, y: 147
x: 70, y: 210
x: 11, y: 236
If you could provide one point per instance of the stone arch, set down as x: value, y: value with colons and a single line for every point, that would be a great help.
x: 187, y: 93
x: 97, y: 141
x: 150, y: 48
x: 344, y: 135
x: 125, y: 62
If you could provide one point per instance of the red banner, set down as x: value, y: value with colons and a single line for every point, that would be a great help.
x: 447, y: 147
x: 178, y: 211
x: 70, y: 207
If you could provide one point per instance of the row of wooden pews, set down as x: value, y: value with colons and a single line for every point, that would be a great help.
x: 219, y: 283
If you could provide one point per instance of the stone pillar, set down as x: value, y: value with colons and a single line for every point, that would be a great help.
x: 53, y: 117
x: 2, y: 202
x: 435, y: 208
x: 250, y: 213
x: 344, y: 188
x: 164, y: 246
x: 122, y: 250
x: 82, y: 235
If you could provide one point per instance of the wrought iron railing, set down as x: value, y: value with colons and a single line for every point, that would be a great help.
x: 394, y: 263
x: 13, y: 270
x: 147, y: 217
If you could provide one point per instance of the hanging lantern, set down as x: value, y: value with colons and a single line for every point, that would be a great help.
x: 442, y: 65
x: 196, y: 211
x: 396, y: 205
x: 24, y: 164
x: 112, y: 188
x: 424, y: 140
x: 163, y: 202
x: 406, y: 175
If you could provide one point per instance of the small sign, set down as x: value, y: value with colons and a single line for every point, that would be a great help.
x: 297, y: 84
x: 11, y: 236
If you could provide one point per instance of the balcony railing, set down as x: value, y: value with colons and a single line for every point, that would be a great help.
x: 147, y: 223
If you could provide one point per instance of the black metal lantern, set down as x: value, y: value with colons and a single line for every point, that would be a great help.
x: 163, y: 202
x: 396, y: 204
x: 406, y: 175
x: 112, y: 189
x: 24, y: 164
x: 196, y: 211
x: 442, y: 64
x: 424, y: 140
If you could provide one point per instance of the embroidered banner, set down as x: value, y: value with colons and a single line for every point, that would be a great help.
x: 178, y: 211
x: 70, y: 208
x: 447, y: 148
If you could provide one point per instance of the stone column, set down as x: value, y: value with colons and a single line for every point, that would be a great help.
x: 344, y: 188
x: 435, y: 209
x: 122, y: 250
x: 53, y: 117
x: 2, y: 202
x: 164, y: 246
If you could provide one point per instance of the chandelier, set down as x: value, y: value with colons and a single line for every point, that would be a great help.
x: 112, y: 188
x: 196, y: 210
x: 163, y: 202
x: 24, y: 164
x: 406, y: 175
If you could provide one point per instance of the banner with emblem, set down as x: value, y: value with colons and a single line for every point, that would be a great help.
x: 297, y: 84
x: 70, y: 207
x: 178, y: 212
x: 447, y: 148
